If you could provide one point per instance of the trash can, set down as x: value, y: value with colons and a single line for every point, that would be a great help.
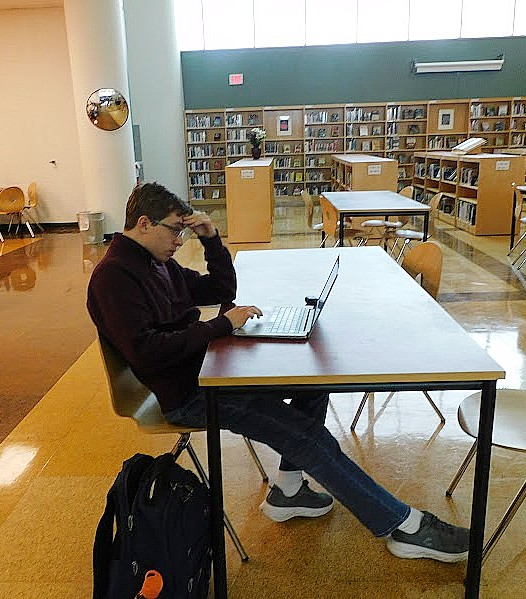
x: 91, y: 226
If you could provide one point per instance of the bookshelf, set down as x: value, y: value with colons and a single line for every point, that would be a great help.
x: 477, y: 195
x: 490, y: 118
x: 518, y: 123
x: 312, y: 134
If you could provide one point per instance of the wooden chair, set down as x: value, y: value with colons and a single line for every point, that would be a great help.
x: 33, y: 203
x: 424, y: 260
x: 519, y: 198
x: 331, y: 225
x: 409, y: 235
x: 309, y: 213
x: 12, y: 203
x: 509, y: 432
x: 131, y: 399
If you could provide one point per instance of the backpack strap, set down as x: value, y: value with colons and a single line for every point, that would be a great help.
x: 102, y: 549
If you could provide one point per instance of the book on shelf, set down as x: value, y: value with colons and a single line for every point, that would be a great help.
x: 216, y: 122
x: 335, y: 131
x: 335, y: 117
x: 410, y: 143
x: 298, y: 177
x: 413, y: 129
x: 286, y: 148
x: 375, y: 115
x: 364, y: 130
x: 376, y: 145
x: 366, y: 146
x: 376, y: 130
x: 253, y: 119
x: 220, y: 151
x: 297, y: 163
x: 298, y: 149
x: 217, y: 136
x: 215, y: 194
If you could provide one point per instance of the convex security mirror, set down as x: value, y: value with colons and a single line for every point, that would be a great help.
x: 107, y: 109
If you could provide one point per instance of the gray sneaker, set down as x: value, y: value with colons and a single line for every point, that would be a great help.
x: 306, y: 503
x: 434, y: 539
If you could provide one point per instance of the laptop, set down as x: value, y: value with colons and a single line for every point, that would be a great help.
x: 290, y: 322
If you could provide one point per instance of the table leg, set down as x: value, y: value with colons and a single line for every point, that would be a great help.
x: 426, y: 226
x: 480, y: 489
x: 216, y: 494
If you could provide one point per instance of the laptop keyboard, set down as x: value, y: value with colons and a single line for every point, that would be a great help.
x: 287, y: 319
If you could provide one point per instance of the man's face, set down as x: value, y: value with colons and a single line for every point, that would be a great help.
x: 164, y: 237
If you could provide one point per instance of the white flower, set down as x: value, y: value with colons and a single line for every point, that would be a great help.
x: 256, y: 136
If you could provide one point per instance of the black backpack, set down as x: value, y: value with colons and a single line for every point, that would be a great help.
x: 162, y: 523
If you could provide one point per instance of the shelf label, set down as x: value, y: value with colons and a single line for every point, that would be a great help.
x: 374, y: 169
x: 502, y: 165
x: 247, y: 173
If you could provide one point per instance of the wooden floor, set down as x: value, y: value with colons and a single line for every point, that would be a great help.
x: 62, y: 445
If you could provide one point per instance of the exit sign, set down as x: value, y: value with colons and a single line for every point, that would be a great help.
x: 235, y: 79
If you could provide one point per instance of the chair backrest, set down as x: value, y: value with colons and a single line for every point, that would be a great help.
x: 330, y: 217
x: 32, y: 195
x: 434, y: 202
x: 425, y: 260
x: 519, y: 198
x: 309, y: 207
x: 12, y: 200
x: 129, y: 397
x: 407, y: 192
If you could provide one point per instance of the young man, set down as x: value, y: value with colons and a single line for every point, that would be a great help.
x: 144, y: 303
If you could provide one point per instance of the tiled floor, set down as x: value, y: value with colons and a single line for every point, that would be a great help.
x: 58, y: 461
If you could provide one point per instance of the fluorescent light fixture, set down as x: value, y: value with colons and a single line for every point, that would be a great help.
x: 458, y: 65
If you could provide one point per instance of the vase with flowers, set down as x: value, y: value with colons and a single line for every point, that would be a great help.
x: 256, y: 136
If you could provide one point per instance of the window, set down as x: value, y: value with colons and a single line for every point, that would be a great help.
x: 382, y: 20
x: 485, y: 18
x: 330, y: 22
x: 429, y: 20
x: 228, y: 24
x: 279, y: 23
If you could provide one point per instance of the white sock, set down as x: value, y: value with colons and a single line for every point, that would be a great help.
x: 290, y: 481
x: 412, y: 523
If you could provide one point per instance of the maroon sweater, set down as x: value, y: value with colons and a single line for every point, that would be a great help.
x: 147, y: 310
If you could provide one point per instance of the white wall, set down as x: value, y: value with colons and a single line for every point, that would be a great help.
x: 37, y: 120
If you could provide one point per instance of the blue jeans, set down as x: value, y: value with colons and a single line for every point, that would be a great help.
x: 297, y: 431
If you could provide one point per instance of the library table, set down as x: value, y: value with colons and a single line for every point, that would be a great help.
x: 521, y: 189
x: 375, y: 203
x: 436, y: 353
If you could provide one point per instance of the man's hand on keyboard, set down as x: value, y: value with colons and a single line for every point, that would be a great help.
x: 240, y: 314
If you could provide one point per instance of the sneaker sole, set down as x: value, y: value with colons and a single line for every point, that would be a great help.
x: 407, y: 551
x: 280, y: 514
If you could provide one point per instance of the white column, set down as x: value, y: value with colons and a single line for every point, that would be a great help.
x: 154, y: 68
x: 96, y: 42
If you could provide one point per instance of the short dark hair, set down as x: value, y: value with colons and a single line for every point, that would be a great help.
x: 154, y: 201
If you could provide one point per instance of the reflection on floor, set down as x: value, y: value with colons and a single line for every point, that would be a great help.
x: 58, y: 461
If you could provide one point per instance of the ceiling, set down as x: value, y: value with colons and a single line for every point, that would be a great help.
x: 6, y: 4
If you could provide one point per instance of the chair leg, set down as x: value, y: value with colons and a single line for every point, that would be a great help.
x: 517, y: 243
x: 256, y: 459
x: 434, y: 406
x: 228, y: 525
x: 519, y: 256
x: 360, y: 410
x: 29, y: 229
x: 461, y: 470
x: 512, y: 510
x: 1, y: 237
x: 404, y: 245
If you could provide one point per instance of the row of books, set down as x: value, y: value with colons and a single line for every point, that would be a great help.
x: 237, y: 135
x: 362, y: 114
x: 274, y: 147
x: 366, y: 145
x: 467, y: 212
x: 487, y: 126
x: 441, y: 142
x: 322, y: 116
x: 323, y: 146
x: 315, y: 161
x: 285, y: 191
x: 518, y: 139
x: 287, y: 162
x: 197, y: 136
x: 469, y: 176
x: 364, y: 130
x: 199, y: 165
x: 335, y: 131
x: 316, y: 176
x: 481, y: 110
x: 288, y: 176
x: 200, y: 151
x: 201, y: 179
x: 396, y: 113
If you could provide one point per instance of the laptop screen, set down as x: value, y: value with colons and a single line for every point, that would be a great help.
x: 326, y: 289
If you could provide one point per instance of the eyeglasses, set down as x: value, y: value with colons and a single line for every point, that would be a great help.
x: 176, y: 231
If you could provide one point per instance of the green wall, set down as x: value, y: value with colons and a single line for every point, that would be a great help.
x: 350, y: 73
